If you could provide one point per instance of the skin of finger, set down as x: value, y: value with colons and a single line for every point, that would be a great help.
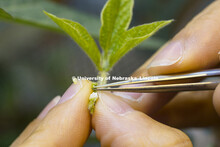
x: 216, y: 99
x: 189, y: 109
x: 133, y: 128
x: 149, y: 103
x: 200, y: 40
x: 67, y: 124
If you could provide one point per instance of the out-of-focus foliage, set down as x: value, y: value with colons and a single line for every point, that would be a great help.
x: 30, y: 12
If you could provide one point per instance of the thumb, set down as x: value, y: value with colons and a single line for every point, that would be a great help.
x: 117, y: 124
x: 67, y: 123
x: 194, y: 47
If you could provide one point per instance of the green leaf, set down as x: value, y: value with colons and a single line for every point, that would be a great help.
x: 115, y: 19
x: 80, y: 35
x: 29, y: 12
x: 4, y: 14
x: 133, y: 37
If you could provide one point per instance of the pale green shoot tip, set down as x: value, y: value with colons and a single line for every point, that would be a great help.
x: 92, y: 101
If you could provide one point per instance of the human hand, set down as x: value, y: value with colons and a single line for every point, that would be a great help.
x: 66, y: 122
x: 195, y: 47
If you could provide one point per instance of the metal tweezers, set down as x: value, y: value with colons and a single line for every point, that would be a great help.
x: 160, y: 87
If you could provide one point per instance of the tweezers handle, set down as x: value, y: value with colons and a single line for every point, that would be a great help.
x: 200, y: 86
x: 163, y: 78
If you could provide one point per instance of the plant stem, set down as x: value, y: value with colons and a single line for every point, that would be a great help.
x: 102, y: 74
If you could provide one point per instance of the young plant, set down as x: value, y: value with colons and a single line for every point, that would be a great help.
x: 115, y: 38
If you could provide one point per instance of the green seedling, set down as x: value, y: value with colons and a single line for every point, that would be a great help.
x: 116, y: 39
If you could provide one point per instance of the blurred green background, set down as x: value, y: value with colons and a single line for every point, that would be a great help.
x: 36, y: 64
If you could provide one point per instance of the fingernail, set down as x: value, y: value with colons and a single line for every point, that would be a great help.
x: 113, y: 104
x: 169, y: 55
x: 130, y: 95
x: 49, y: 106
x: 71, y: 92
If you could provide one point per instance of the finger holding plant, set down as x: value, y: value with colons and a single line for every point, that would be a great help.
x: 115, y: 122
x: 66, y: 120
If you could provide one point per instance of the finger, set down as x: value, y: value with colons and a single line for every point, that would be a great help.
x: 216, y: 99
x: 117, y: 124
x: 195, y: 47
x: 68, y: 123
x: 148, y: 103
x: 33, y: 125
x: 189, y: 109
